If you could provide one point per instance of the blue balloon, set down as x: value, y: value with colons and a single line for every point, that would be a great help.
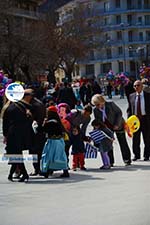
x: 5, y: 80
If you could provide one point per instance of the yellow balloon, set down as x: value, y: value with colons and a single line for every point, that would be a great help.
x: 132, y: 125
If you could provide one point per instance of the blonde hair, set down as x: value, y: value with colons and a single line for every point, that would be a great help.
x: 96, y: 99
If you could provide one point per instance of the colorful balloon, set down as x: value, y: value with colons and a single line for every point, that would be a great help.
x: 5, y: 80
x: 132, y: 125
x: 1, y: 76
x: 2, y: 91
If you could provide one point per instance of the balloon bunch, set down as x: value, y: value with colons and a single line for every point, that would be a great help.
x: 110, y: 76
x: 144, y: 71
x: 4, y: 82
x: 121, y: 79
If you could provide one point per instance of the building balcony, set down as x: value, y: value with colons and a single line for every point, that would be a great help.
x: 102, y: 12
x: 115, y: 57
x: 118, y: 27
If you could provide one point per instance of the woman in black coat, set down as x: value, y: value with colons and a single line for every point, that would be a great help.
x: 18, y: 133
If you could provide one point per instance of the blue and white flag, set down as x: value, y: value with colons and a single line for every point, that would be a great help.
x: 91, y: 151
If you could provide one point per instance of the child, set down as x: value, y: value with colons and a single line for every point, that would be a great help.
x: 53, y: 155
x: 78, y: 149
x: 105, y: 144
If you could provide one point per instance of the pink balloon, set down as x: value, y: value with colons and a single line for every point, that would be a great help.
x: 1, y: 77
x: 2, y: 91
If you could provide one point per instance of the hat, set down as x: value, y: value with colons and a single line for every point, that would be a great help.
x: 52, y: 108
x: 65, y: 105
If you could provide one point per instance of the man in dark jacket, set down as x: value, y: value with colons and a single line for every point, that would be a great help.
x: 38, y: 115
x: 139, y: 104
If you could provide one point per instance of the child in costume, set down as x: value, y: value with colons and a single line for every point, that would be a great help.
x: 78, y: 149
x: 53, y: 155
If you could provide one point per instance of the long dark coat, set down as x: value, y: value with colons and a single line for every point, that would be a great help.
x: 17, y: 128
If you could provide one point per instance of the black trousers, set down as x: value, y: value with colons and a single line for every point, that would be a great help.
x: 124, y: 147
x: 145, y: 130
x: 39, y: 142
x: 19, y: 166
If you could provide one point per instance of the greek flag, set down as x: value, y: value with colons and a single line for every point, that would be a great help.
x: 97, y: 136
x: 91, y: 151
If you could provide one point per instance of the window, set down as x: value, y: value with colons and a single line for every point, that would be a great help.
x: 89, y: 69
x: 139, y: 4
x: 131, y: 52
x: 130, y: 4
x: 132, y: 66
x: 120, y: 66
x: 106, y: 67
x: 108, y: 53
x: 140, y: 20
x: 119, y: 35
x: 129, y: 19
x: 120, y: 50
x: 146, y: 4
x: 117, y: 3
x: 91, y: 55
x: 106, y: 6
x: 147, y: 20
x: 130, y: 36
x: 118, y: 19
x: 141, y: 52
x: 107, y: 37
x: 140, y: 36
x: 106, y: 20
x: 147, y: 35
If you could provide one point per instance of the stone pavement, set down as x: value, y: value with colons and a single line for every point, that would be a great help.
x: 120, y: 196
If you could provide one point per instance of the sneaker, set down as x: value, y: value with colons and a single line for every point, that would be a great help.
x: 74, y: 169
x: 64, y: 175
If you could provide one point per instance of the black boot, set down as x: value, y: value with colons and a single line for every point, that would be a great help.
x: 24, y: 178
x: 23, y: 171
x: 65, y: 174
x: 10, y: 178
x: 11, y: 172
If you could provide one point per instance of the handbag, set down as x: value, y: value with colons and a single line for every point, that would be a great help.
x: 91, y: 151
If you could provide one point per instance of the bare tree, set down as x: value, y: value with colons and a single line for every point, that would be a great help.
x: 76, y: 44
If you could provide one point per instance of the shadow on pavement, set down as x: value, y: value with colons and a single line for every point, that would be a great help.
x: 55, y: 179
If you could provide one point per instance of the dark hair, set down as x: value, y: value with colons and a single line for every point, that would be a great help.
x: 76, y: 127
x: 88, y: 108
x: 95, y: 122
x: 51, y: 115
x: 53, y: 127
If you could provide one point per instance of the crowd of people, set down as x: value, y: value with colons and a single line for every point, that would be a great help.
x: 48, y: 124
